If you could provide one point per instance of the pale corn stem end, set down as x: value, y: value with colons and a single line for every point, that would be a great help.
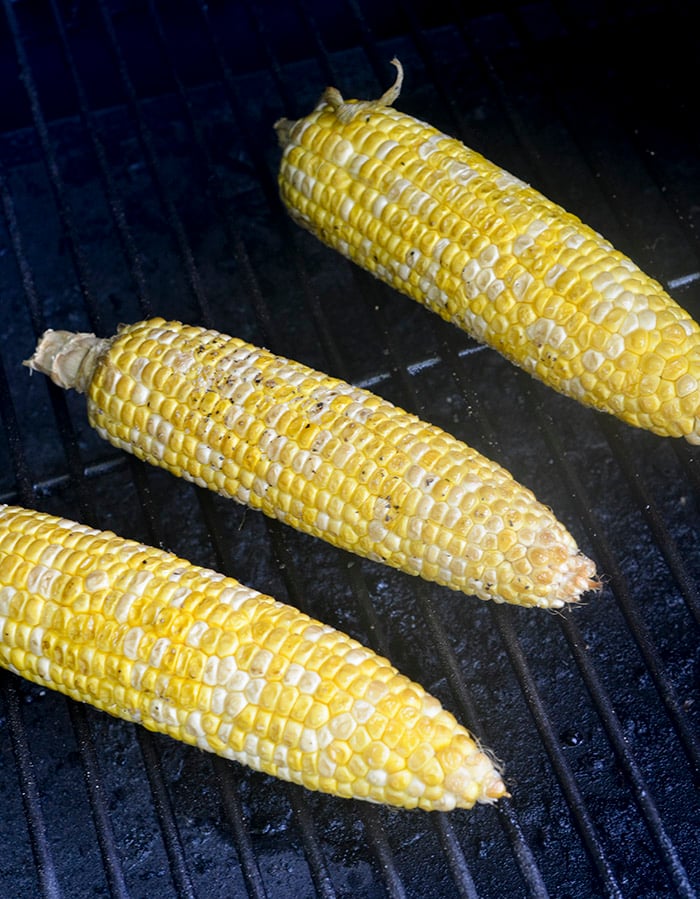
x: 346, y: 110
x: 283, y: 128
x: 68, y: 358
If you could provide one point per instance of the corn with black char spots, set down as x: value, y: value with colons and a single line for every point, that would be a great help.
x: 317, y: 453
x: 184, y: 651
x: 442, y: 224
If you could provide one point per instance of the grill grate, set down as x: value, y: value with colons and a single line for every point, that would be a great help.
x: 137, y: 177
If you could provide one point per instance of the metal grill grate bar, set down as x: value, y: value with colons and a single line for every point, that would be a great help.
x: 312, y: 847
x: 650, y: 509
x: 234, y: 813
x: 637, y: 627
x: 664, y: 843
x: 27, y: 493
x: 464, y: 882
x: 115, y: 202
x: 64, y: 211
x: 584, y: 820
x: 36, y: 824
x: 103, y: 828
x: 154, y: 168
x: 168, y: 825
x: 98, y: 803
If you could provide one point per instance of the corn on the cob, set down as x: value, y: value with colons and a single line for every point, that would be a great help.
x: 484, y: 250
x: 328, y: 458
x: 185, y: 651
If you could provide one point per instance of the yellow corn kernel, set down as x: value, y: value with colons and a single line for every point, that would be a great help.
x: 127, y: 670
x: 471, y: 242
x: 422, y: 487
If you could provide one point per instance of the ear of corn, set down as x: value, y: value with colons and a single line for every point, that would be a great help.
x: 442, y: 224
x: 185, y: 651
x: 330, y: 459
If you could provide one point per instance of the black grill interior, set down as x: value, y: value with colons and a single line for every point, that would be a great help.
x: 137, y: 177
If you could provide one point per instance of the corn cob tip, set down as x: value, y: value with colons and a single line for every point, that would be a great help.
x: 68, y: 358
x: 577, y: 576
x: 694, y: 436
x: 496, y: 790
x: 460, y: 785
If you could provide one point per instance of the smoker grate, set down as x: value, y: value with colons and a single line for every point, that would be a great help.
x: 137, y: 177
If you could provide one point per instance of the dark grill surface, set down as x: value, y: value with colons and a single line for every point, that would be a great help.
x: 137, y: 177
